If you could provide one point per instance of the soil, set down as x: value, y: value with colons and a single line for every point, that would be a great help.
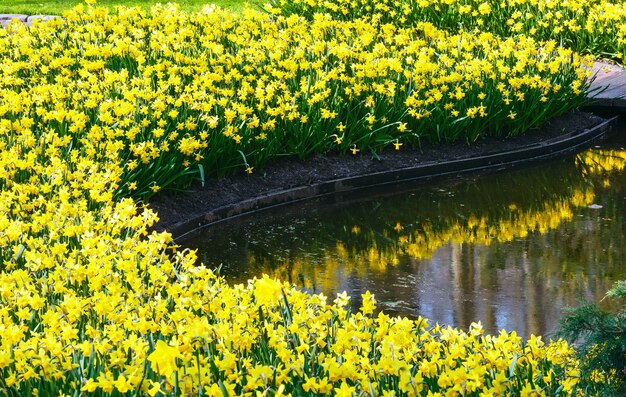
x: 176, y: 207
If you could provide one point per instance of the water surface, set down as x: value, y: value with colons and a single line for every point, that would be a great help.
x: 510, y: 249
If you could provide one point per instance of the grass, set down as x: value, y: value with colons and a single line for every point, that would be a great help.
x: 54, y: 7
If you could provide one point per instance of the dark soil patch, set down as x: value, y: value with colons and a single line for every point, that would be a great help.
x: 175, y: 207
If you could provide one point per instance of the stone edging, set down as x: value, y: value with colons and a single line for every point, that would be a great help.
x: 608, y: 89
x: 540, y: 151
x: 6, y: 19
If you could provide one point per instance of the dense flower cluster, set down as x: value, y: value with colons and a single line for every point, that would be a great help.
x: 99, y: 109
x: 169, y: 96
x: 594, y: 26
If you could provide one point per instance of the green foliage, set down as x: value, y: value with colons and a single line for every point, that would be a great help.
x: 618, y: 290
x: 601, y: 338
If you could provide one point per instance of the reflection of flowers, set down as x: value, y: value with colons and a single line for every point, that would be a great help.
x: 422, y: 242
x: 598, y: 162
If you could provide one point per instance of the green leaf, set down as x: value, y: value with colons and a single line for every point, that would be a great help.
x: 20, y: 252
x: 201, y: 168
x: 512, y: 366
x: 374, y: 154
x: 223, y: 388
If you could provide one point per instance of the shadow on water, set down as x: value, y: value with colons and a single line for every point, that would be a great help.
x: 510, y: 249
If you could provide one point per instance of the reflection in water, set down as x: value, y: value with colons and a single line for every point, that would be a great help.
x: 509, y: 249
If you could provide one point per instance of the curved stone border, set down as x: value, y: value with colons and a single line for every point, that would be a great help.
x: 564, y: 144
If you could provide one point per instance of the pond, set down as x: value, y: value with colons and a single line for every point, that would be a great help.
x: 511, y: 248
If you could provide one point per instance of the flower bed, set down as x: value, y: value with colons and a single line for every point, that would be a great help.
x: 587, y: 26
x: 99, y: 111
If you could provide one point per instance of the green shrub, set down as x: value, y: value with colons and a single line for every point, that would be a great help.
x: 601, y: 343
